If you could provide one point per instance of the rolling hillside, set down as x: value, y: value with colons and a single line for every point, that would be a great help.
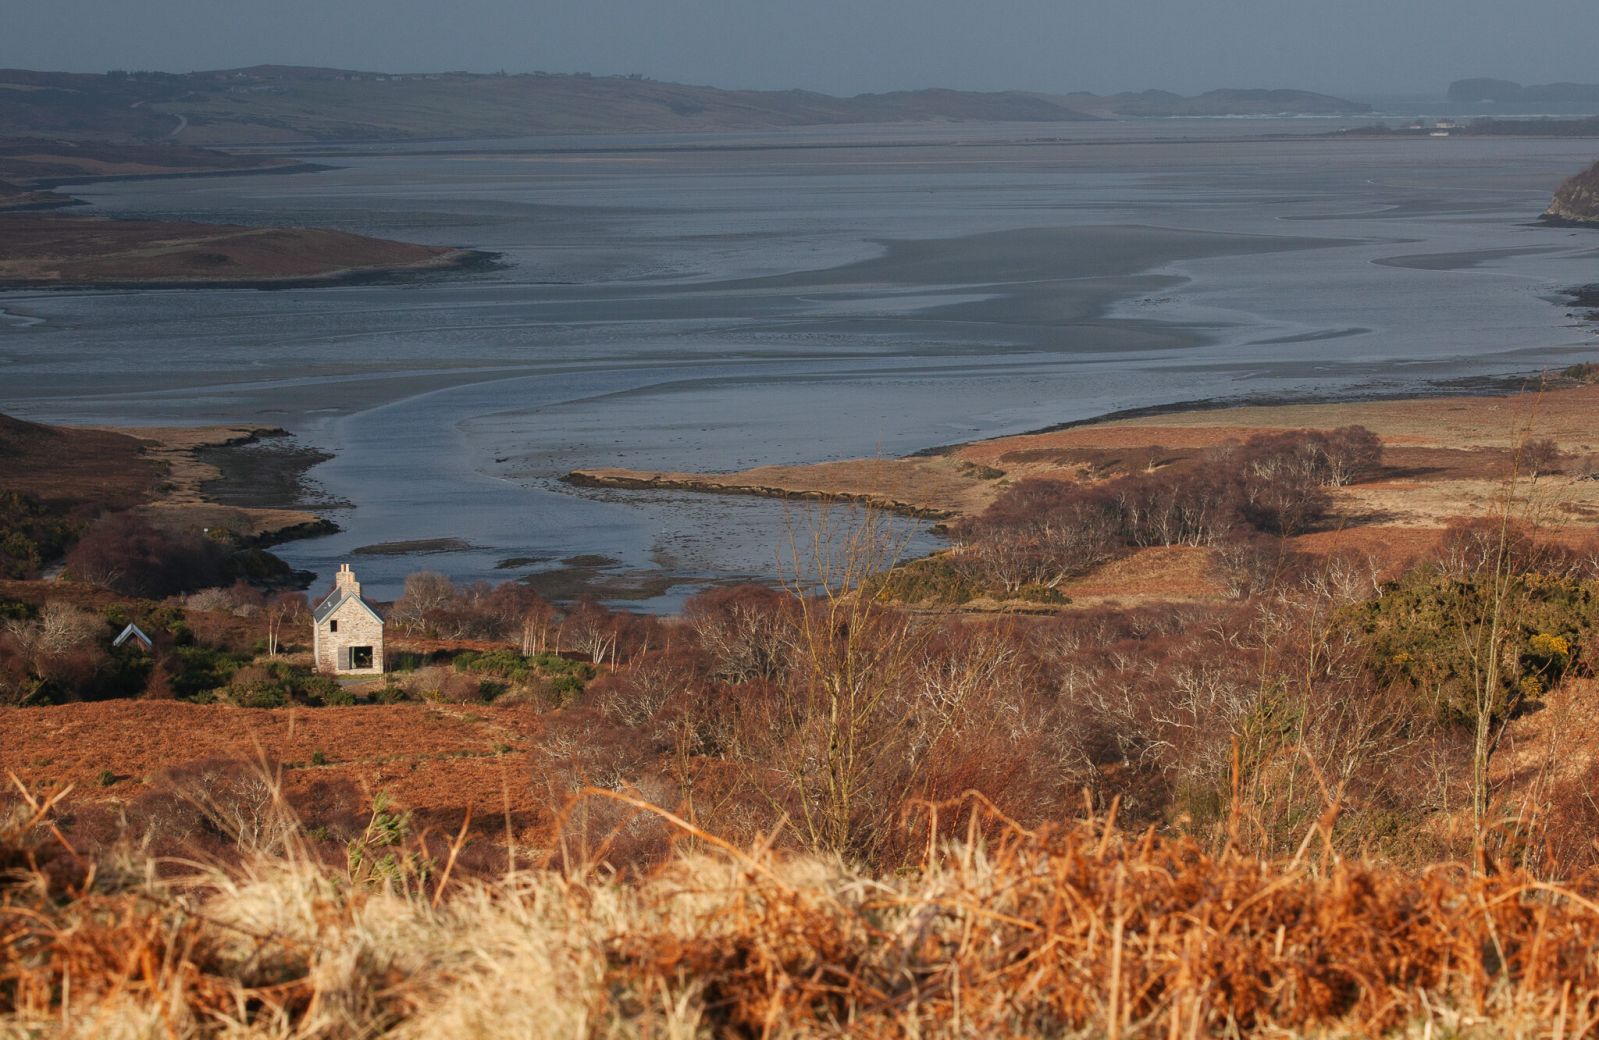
x: 290, y: 105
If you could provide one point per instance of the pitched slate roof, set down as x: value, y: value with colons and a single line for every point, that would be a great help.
x: 336, y: 599
x: 133, y: 632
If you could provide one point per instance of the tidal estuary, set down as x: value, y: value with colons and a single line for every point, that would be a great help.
x: 700, y: 303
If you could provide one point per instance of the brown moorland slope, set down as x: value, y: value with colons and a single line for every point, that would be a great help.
x: 69, y: 467
x: 36, y: 162
x: 436, y: 760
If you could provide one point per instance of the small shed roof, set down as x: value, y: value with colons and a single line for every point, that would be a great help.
x: 133, y: 632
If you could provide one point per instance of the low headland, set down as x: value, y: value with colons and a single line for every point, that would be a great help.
x: 59, y: 481
x: 38, y: 252
x: 47, y: 250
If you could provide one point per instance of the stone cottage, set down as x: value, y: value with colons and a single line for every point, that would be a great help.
x: 346, y: 634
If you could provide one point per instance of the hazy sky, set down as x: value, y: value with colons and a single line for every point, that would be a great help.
x: 841, y: 46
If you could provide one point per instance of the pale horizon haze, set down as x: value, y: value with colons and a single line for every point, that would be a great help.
x: 841, y: 46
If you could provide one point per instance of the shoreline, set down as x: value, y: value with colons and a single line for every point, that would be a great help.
x: 644, y: 480
x: 196, y: 465
x: 807, y: 482
x: 1469, y: 386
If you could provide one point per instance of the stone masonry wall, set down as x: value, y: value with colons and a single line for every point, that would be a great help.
x: 357, y: 627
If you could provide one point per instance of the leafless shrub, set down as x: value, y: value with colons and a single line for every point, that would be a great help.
x: 1539, y: 457
x: 440, y: 682
x: 1043, y: 532
x: 1256, y: 566
x: 236, y: 802
x: 217, y: 599
x: 62, y: 647
x: 742, y: 630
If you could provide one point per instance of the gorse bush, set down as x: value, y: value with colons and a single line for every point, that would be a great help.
x: 561, y: 678
x: 198, y: 671
x: 1457, y: 642
x: 481, y: 676
x: 1495, y: 614
x: 277, y: 684
x: 933, y: 580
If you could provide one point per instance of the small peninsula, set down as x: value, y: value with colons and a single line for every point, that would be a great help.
x: 52, y: 250
x: 57, y: 251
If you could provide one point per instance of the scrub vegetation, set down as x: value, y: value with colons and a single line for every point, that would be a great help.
x: 1348, y: 794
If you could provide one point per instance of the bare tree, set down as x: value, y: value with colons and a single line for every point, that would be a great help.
x: 425, y: 592
x: 285, y: 611
x: 838, y: 716
x: 523, y: 615
x: 594, y: 629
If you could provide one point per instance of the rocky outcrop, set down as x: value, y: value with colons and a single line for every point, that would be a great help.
x: 1577, y: 201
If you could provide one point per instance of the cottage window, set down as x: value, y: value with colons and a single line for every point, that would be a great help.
x: 333, y: 626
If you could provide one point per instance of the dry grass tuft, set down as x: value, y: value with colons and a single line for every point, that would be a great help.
x: 1065, y: 931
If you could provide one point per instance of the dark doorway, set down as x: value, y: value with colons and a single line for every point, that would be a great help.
x: 360, y: 657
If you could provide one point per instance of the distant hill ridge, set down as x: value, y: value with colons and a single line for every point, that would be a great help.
x: 1162, y: 103
x: 1502, y: 91
x: 292, y: 104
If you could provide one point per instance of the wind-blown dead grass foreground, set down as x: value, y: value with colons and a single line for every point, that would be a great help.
x: 1072, y: 931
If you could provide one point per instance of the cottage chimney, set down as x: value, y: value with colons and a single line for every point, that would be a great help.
x: 345, y: 581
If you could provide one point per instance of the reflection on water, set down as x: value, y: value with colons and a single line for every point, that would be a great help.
x: 670, y: 303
